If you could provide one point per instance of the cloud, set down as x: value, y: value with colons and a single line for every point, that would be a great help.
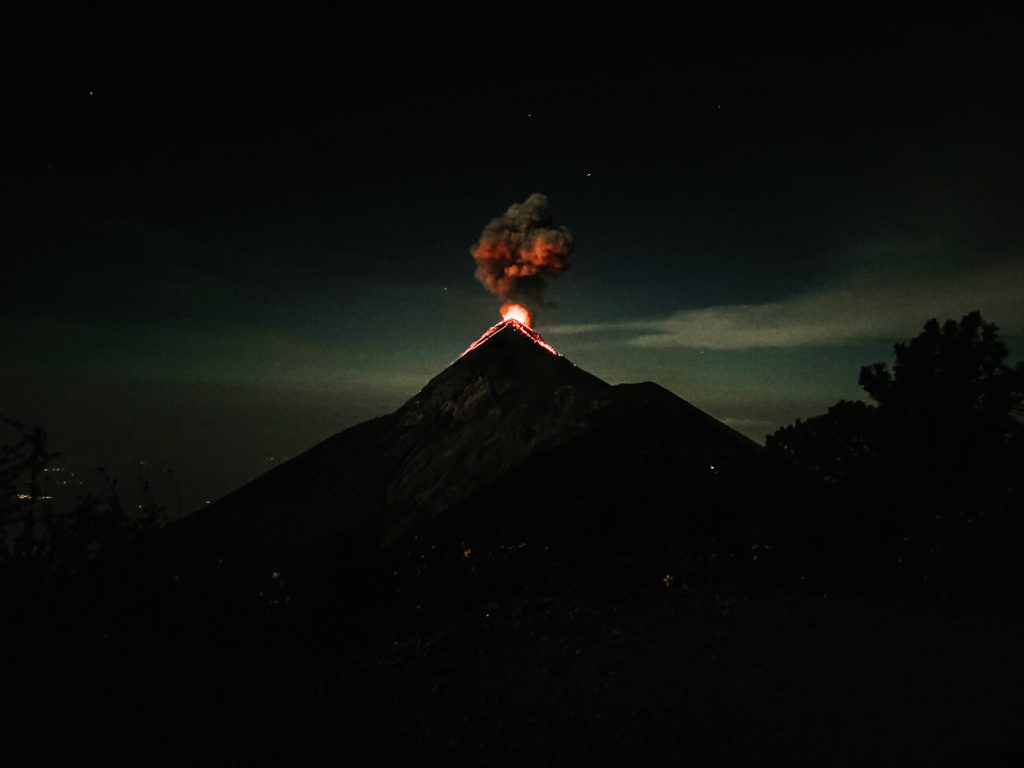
x: 861, y: 309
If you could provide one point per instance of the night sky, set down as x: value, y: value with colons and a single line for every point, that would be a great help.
x: 219, y: 251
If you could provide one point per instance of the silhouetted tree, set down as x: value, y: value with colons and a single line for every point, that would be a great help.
x: 39, y: 543
x: 926, y: 482
x: 22, y: 462
x: 950, y: 392
x: 951, y: 407
x: 831, y: 447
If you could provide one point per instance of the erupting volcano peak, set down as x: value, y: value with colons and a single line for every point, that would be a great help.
x: 516, y: 318
x: 512, y: 311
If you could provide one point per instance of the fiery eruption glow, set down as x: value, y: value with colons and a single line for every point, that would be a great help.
x: 514, y: 256
x: 516, y: 317
x: 512, y: 311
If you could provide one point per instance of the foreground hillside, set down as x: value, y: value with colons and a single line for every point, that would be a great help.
x: 719, y: 675
x: 741, y: 676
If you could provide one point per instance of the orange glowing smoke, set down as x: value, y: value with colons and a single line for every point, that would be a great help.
x: 506, y: 268
x: 513, y: 311
x: 520, y: 249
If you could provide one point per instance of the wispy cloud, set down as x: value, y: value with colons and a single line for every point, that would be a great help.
x: 860, y: 309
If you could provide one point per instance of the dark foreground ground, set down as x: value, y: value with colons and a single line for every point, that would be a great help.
x: 743, y: 674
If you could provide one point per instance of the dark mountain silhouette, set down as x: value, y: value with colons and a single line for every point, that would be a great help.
x: 510, y: 419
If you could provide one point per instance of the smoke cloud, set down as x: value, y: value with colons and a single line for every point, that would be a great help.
x: 520, y: 249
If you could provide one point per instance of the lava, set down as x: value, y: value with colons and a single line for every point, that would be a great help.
x: 513, y: 311
x: 517, y: 317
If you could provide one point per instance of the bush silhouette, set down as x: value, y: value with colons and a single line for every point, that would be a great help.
x: 922, y: 485
x: 40, y: 544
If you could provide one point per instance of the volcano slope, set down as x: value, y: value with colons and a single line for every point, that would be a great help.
x: 510, y: 427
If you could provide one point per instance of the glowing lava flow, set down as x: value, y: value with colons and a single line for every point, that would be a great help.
x: 512, y: 317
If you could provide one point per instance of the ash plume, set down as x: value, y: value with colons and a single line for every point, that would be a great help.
x: 520, y: 249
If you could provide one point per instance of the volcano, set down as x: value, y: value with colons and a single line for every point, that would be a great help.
x: 510, y: 431
x: 513, y: 474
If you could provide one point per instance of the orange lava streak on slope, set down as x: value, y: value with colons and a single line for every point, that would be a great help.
x: 515, y: 325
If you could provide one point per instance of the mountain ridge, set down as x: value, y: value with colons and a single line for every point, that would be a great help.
x: 502, y: 403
